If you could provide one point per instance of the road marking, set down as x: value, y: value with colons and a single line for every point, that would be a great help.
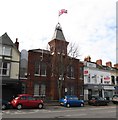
x: 100, y: 108
x: 82, y: 114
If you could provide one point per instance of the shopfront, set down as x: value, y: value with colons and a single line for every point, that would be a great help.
x: 109, y: 91
x: 93, y: 90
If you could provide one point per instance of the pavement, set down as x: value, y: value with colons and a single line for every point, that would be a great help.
x: 56, y: 103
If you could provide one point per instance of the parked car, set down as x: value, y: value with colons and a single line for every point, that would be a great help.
x: 27, y: 101
x: 96, y: 100
x: 5, y: 104
x: 71, y: 100
x: 115, y: 99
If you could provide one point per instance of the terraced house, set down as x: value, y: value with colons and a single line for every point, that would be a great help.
x: 52, y: 73
x: 9, y: 67
x: 99, y: 80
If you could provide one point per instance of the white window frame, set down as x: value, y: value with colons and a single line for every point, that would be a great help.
x: 7, y: 69
x: 6, y: 51
x: 36, y: 89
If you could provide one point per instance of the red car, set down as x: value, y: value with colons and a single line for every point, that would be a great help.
x: 26, y: 101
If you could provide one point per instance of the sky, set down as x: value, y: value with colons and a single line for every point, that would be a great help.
x: 89, y: 24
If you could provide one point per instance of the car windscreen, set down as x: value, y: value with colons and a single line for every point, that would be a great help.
x: 115, y: 96
x: 73, y: 98
x: 100, y: 98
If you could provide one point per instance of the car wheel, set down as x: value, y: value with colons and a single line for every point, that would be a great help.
x: 97, y: 104
x: 19, y: 106
x: 40, y: 106
x: 82, y: 105
x: 67, y: 105
x: 4, y: 107
x: 114, y: 102
x: 106, y: 103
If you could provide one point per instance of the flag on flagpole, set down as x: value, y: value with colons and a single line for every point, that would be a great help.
x: 62, y: 11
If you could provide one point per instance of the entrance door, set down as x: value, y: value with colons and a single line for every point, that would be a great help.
x: 89, y: 93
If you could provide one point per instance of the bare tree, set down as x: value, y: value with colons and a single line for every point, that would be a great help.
x: 62, y: 61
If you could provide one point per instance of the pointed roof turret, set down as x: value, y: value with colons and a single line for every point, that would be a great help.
x: 58, y: 33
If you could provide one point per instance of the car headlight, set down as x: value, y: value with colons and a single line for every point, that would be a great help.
x: 65, y: 100
x: 82, y: 101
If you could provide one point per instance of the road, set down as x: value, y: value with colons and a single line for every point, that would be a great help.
x: 63, y: 112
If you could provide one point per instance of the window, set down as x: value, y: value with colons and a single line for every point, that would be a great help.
x: 43, y: 69
x: 81, y: 72
x: 113, y: 79
x: 101, y: 79
x: 5, y: 51
x: 40, y: 68
x: 4, y: 68
x: 37, y: 68
x: 70, y: 90
x: 36, y: 89
x: 23, y: 98
x: 31, y: 98
x: 70, y: 71
x: 0, y: 49
x: 43, y: 90
x: 89, y: 80
x: 117, y: 80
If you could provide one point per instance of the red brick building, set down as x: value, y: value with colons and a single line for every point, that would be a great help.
x: 53, y: 74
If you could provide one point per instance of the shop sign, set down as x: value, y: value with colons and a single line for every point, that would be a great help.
x: 86, y: 72
x: 109, y: 87
x: 107, y: 78
x: 91, y: 65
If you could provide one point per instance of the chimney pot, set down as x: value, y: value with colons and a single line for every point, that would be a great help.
x: 88, y: 58
x: 99, y: 62
x: 109, y: 64
x: 17, y: 43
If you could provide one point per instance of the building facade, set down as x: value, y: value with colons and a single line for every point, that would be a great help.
x: 9, y: 67
x: 52, y: 73
x: 99, y: 80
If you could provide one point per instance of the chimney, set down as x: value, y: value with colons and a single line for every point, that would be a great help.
x: 116, y: 65
x: 109, y: 64
x: 17, y: 43
x: 99, y: 62
x: 88, y: 59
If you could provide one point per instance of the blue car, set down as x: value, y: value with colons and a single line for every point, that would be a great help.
x: 71, y: 100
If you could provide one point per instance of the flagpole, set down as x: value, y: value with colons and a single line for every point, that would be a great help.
x: 58, y: 16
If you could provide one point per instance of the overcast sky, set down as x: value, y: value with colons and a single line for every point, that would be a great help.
x: 91, y: 24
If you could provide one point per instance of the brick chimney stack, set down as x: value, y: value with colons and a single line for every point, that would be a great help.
x: 17, y: 43
x: 88, y: 59
x: 109, y: 64
x: 99, y: 62
x: 116, y: 65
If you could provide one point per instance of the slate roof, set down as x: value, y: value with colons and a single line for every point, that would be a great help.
x: 58, y: 33
x: 5, y: 40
